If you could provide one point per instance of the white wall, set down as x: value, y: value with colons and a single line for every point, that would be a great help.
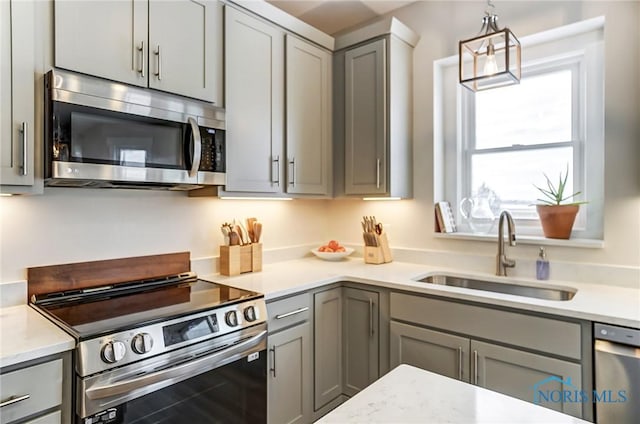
x: 73, y: 225
x: 441, y: 24
x: 69, y: 225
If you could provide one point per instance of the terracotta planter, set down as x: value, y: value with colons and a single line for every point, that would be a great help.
x: 557, y: 220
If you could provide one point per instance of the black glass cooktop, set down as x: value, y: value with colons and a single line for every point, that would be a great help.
x: 107, y: 312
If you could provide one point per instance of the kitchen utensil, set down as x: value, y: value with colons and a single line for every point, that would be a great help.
x: 234, y: 239
x: 257, y: 231
x: 250, y: 223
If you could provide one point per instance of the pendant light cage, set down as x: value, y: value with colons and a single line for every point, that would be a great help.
x: 492, y: 59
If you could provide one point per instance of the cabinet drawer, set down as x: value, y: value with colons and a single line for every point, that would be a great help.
x: 51, y: 418
x: 42, y: 383
x: 287, y: 312
x: 533, y: 332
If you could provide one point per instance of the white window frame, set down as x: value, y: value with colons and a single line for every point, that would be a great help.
x: 579, y: 47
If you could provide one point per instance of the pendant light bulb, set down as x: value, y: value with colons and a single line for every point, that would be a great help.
x: 490, y: 65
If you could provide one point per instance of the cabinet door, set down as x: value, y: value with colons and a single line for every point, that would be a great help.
x: 308, y: 88
x: 17, y: 20
x: 290, y: 375
x: 103, y: 38
x: 523, y: 375
x: 365, y: 119
x: 360, y: 339
x: 254, y: 72
x: 430, y: 350
x: 185, y: 48
x: 327, y: 326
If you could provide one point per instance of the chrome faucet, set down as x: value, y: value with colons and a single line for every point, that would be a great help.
x: 502, y: 262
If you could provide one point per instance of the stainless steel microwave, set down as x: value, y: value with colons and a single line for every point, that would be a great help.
x: 100, y: 133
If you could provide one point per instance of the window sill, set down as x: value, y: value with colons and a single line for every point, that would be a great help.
x: 540, y: 241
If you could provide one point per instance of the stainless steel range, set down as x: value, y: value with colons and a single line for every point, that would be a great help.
x: 168, y: 350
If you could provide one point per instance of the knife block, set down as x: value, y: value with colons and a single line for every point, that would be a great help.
x: 235, y: 260
x: 380, y: 254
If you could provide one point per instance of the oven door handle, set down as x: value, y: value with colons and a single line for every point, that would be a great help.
x: 176, y: 373
x: 197, y: 147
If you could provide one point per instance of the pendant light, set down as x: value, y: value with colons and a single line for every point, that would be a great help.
x: 491, y: 59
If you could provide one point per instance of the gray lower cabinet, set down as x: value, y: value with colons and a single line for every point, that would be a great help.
x: 520, y: 374
x: 361, y: 342
x: 327, y: 324
x: 522, y: 362
x: 290, y: 383
x: 442, y: 353
x: 290, y: 375
x: 36, y: 391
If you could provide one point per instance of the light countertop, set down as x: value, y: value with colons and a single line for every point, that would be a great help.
x: 411, y: 395
x: 27, y: 335
x: 594, y: 302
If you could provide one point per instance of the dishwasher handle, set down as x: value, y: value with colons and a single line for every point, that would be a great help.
x: 617, y: 349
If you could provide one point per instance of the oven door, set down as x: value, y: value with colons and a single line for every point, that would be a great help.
x: 218, y: 381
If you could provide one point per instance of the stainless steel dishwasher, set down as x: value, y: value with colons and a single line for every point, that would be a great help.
x: 617, y: 374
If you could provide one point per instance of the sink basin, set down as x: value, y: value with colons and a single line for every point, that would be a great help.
x: 546, y: 293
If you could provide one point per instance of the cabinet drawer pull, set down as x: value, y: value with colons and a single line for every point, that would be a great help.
x: 378, y: 173
x: 273, y: 362
x: 292, y: 162
x: 371, y: 317
x: 475, y: 367
x: 460, y: 363
x: 141, y: 50
x: 275, y: 175
x: 288, y: 314
x: 25, y: 147
x: 159, y: 73
x: 14, y: 399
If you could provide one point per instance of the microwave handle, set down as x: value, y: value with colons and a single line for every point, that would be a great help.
x: 197, y: 148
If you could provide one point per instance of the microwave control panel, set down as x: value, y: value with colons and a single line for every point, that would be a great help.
x: 212, y: 156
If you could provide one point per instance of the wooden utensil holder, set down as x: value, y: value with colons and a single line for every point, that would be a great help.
x: 235, y: 260
x: 379, y: 254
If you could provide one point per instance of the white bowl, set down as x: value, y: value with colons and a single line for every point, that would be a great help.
x: 332, y: 256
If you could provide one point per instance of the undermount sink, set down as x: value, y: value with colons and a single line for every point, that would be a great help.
x: 546, y: 293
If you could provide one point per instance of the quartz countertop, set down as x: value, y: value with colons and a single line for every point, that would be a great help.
x: 609, y: 304
x: 411, y: 395
x: 27, y: 335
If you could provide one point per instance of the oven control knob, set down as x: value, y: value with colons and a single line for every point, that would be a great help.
x: 250, y: 313
x: 142, y: 343
x: 113, y: 351
x: 231, y: 318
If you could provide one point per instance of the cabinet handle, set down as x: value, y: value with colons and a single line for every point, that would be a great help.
x: 475, y: 367
x: 159, y: 73
x: 273, y: 362
x: 14, y: 399
x: 371, y: 317
x: 25, y: 147
x: 378, y: 173
x: 460, y: 363
x: 141, y: 50
x: 292, y: 162
x: 288, y: 314
x: 275, y: 178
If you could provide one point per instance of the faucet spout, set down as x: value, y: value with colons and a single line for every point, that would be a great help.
x: 502, y: 262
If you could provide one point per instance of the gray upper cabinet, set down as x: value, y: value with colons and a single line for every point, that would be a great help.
x: 17, y: 101
x: 174, y: 46
x: 327, y: 346
x: 373, y: 106
x: 365, y: 110
x: 254, y: 69
x: 308, y: 118
x: 361, y: 339
x: 276, y: 144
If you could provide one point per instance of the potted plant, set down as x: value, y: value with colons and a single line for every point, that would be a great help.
x: 556, y: 217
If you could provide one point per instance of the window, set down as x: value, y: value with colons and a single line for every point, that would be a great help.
x: 501, y: 142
